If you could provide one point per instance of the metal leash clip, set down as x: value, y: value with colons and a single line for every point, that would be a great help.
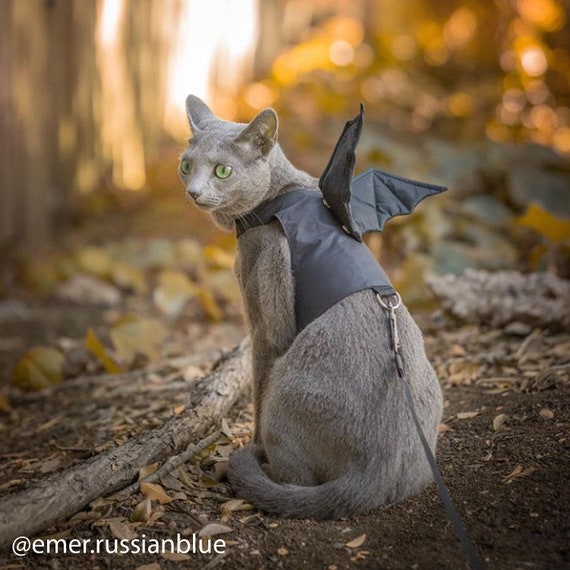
x: 392, y: 303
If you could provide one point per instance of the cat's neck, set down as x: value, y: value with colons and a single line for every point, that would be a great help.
x: 284, y: 176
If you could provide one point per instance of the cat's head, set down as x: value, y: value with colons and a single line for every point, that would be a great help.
x: 225, y: 168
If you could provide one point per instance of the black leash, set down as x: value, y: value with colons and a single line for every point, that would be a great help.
x: 458, y: 525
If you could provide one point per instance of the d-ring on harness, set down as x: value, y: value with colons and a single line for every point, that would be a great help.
x: 390, y: 304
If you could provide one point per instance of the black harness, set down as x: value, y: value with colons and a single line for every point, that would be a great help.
x: 327, y: 263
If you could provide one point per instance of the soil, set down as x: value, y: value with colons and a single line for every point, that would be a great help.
x: 503, y: 452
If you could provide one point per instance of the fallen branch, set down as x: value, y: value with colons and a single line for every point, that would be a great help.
x: 504, y: 297
x: 60, y: 496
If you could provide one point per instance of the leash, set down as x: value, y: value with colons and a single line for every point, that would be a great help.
x: 458, y: 525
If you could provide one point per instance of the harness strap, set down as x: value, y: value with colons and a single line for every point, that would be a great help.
x: 458, y: 525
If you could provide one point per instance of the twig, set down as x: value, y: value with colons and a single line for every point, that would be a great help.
x: 171, y: 464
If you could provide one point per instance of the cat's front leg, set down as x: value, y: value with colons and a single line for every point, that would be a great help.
x: 263, y: 269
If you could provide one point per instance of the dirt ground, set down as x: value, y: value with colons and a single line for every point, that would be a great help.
x: 503, y: 452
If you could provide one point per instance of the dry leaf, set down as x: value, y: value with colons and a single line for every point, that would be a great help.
x: 95, y: 347
x: 94, y: 260
x: 214, y: 529
x: 235, y: 505
x: 218, y: 258
x: 209, y: 304
x: 518, y: 471
x: 151, y: 566
x: 546, y: 224
x: 147, y: 470
x: 467, y: 415
x: 39, y: 368
x: 51, y: 463
x: 225, y: 428
x: 132, y: 335
x: 188, y: 254
x: 155, y: 492
x: 121, y: 530
x: 442, y: 428
x: 499, y: 421
x: 458, y: 350
x: 546, y: 413
x: 173, y: 291
x: 176, y: 556
x: 142, y: 512
x: 356, y: 542
x: 207, y: 481
x: 192, y: 372
x: 463, y: 372
x: 4, y: 404
x: 128, y: 277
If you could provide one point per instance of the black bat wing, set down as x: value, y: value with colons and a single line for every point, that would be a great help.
x: 365, y: 203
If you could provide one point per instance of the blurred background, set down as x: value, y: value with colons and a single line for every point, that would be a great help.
x: 473, y: 94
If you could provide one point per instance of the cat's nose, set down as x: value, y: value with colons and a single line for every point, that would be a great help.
x: 194, y: 193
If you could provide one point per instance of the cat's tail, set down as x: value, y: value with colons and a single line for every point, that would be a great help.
x: 334, y: 499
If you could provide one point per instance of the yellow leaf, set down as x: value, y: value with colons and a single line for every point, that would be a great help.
x: 357, y: 542
x: 218, y: 258
x: 155, y: 492
x: 209, y: 304
x: 173, y: 290
x: 4, y: 404
x: 39, y: 368
x: 128, y: 277
x: 95, y: 347
x: 132, y: 335
x: 94, y: 260
x: 546, y: 224
x: 188, y: 254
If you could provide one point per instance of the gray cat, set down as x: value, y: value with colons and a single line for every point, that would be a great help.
x: 333, y: 434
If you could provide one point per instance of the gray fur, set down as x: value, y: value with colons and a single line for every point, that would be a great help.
x: 333, y: 435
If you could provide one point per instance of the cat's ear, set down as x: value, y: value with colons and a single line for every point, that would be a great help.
x: 197, y: 112
x: 261, y: 133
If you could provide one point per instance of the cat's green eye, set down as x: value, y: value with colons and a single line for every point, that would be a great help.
x: 223, y: 171
x: 185, y: 166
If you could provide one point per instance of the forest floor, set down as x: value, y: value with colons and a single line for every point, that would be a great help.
x: 503, y: 451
